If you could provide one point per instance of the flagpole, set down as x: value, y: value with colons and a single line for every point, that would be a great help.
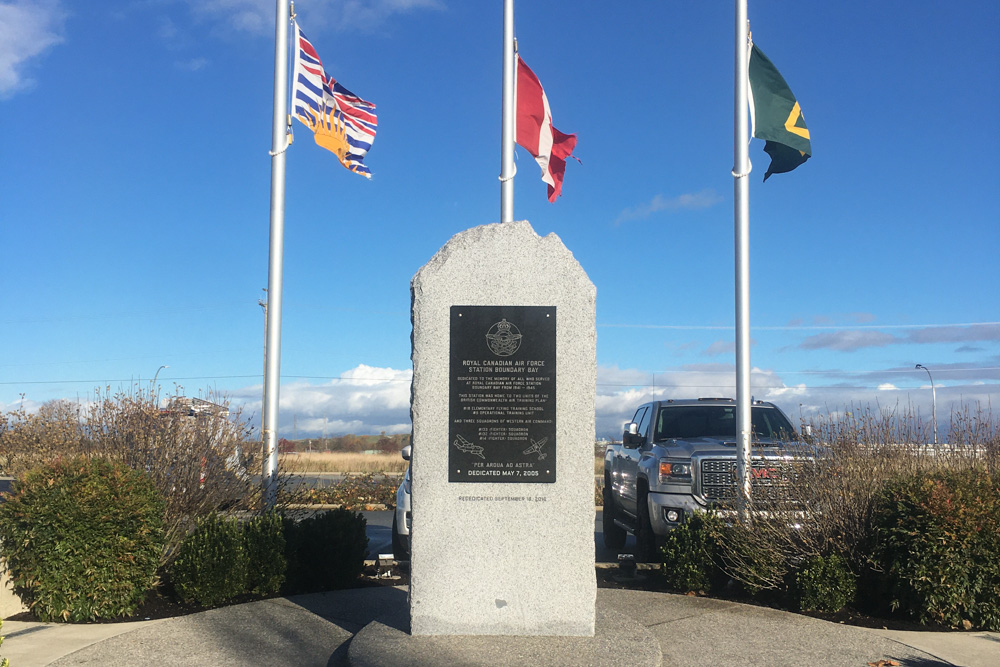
x: 272, y: 334
x: 741, y: 192
x: 507, y: 125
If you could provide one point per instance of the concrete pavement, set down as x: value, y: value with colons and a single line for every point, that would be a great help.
x: 367, y: 626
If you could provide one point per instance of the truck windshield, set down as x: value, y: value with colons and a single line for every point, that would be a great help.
x: 719, y: 421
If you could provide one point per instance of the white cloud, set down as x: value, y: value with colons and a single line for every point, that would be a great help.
x: 987, y: 331
x: 27, y: 30
x: 257, y: 16
x: 782, y: 394
x: 192, y: 65
x: 848, y: 341
x: 168, y: 29
x: 363, y: 400
x: 368, y: 400
x: 719, y: 347
x: 691, y: 201
x: 369, y: 14
x: 251, y: 21
x: 253, y: 16
x: 26, y: 404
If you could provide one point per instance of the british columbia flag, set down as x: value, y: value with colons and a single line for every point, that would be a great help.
x: 341, y: 122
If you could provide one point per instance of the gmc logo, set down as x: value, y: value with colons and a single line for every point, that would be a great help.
x: 766, y: 473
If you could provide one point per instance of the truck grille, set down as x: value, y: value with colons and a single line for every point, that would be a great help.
x: 776, y: 478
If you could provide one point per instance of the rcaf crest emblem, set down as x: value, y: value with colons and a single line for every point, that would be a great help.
x: 503, y: 338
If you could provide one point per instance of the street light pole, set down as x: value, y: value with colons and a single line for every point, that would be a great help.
x: 933, y: 401
x: 155, y: 375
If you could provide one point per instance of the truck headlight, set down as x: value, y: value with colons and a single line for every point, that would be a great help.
x: 674, y: 471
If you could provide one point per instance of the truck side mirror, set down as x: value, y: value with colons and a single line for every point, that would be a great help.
x: 406, y: 452
x: 631, y: 438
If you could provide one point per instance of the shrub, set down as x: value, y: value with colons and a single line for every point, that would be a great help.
x: 264, y: 542
x: 212, y: 563
x: 353, y: 492
x: 82, y: 539
x: 194, y: 454
x: 325, y: 551
x: 28, y: 440
x: 198, y: 453
x: 745, y: 555
x: 689, y: 556
x: 939, y: 546
x: 223, y: 559
x: 833, y: 500
x: 824, y: 584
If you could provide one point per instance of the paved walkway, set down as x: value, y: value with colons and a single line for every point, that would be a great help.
x: 318, y: 630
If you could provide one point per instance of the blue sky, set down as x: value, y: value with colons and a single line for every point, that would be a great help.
x: 134, y: 199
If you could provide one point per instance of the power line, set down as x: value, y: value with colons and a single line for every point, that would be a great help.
x: 212, y: 377
x: 653, y: 384
x: 834, y: 387
x: 830, y: 327
x: 164, y: 356
x: 136, y: 380
x: 832, y: 372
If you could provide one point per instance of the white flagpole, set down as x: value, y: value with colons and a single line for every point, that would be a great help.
x: 272, y: 335
x: 741, y: 192
x: 507, y: 126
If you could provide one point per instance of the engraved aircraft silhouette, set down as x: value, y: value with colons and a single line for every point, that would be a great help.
x: 537, y: 447
x: 467, y: 447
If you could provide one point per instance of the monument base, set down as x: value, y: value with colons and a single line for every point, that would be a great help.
x: 618, y: 640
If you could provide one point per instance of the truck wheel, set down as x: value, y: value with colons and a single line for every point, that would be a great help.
x: 399, y: 550
x: 645, y: 540
x: 614, y: 535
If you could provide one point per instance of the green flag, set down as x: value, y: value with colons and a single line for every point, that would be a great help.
x: 776, y: 116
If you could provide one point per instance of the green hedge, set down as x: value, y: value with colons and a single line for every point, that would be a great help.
x: 824, y: 584
x: 82, y: 539
x: 325, y: 551
x: 689, y: 556
x: 937, y: 539
x: 697, y: 554
x: 212, y: 563
x: 224, y: 558
x: 264, y: 543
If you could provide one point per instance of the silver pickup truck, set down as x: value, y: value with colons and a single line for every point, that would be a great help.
x: 679, y: 456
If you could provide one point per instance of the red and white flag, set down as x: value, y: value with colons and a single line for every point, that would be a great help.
x: 535, y: 133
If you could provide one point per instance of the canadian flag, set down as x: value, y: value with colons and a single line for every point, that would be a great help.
x: 535, y: 133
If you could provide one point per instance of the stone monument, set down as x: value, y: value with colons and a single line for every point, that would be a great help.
x: 504, y: 383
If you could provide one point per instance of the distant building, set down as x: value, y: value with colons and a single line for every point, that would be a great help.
x: 195, y: 407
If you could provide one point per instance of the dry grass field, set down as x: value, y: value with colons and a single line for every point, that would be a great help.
x: 342, y: 462
x: 367, y: 463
